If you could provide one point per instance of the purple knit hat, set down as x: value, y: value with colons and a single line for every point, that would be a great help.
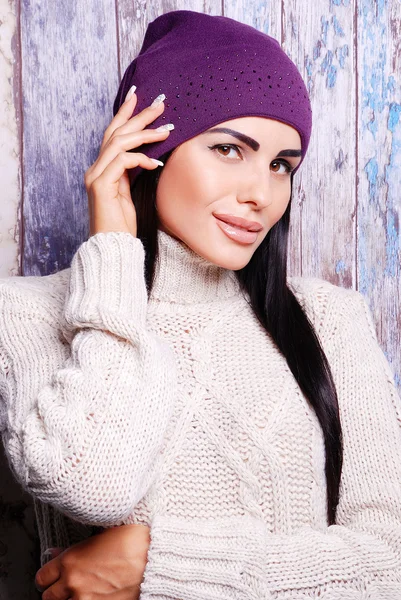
x: 212, y: 69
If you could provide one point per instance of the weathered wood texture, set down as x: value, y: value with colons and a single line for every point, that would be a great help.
x: 378, y: 151
x: 10, y: 204
x: 60, y: 65
x: 69, y: 76
x: 324, y: 232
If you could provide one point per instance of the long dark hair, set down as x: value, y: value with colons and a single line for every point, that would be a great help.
x: 264, y: 279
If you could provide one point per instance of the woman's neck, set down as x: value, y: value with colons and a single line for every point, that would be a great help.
x: 184, y: 277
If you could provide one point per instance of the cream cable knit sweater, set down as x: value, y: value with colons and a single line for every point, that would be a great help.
x: 178, y: 411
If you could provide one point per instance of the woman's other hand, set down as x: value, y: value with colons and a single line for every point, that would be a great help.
x: 107, y: 183
x: 110, y: 563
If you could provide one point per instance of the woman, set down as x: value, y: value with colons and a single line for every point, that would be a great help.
x: 236, y: 433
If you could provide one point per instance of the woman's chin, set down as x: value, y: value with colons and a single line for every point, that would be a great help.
x: 234, y: 265
x: 230, y: 259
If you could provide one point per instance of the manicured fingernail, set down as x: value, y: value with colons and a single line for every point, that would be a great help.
x: 48, y: 552
x: 130, y: 92
x: 167, y: 127
x: 158, y: 162
x: 158, y: 100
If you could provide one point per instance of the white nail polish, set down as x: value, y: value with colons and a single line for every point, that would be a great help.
x: 167, y: 127
x: 158, y: 162
x: 130, y: 92
x: 158, y: 100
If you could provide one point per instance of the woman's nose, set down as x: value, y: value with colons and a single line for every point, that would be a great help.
x: 258, y: 191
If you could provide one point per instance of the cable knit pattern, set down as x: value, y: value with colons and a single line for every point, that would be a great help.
x: 178, y: 411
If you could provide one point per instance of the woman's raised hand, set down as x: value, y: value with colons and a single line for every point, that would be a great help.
x: 107, y: 183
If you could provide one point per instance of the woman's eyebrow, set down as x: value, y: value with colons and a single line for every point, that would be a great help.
x: 250, y: 141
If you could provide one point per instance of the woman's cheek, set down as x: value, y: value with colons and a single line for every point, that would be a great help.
x: 282, y: 205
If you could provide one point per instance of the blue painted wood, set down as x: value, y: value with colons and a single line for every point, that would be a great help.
x: 379, y: 169
x: 69, y: 80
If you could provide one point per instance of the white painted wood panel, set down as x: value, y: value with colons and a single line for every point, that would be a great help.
x: 9, y: 141
x: 319, y: 38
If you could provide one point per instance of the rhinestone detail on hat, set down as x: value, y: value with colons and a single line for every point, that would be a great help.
x: 235, y: 78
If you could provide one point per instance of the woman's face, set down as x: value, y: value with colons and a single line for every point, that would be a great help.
x: 215, y: 173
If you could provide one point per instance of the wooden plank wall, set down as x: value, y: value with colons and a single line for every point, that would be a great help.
x: 60, y: 66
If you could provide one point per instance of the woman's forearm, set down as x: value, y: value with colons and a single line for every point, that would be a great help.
x: 83, y: 422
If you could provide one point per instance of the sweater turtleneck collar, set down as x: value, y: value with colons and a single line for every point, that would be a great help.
x: 184, y: 277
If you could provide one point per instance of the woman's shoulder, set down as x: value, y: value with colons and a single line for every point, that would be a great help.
x: 45, y: 293
x: 323, y: 300
x: 316, y: 287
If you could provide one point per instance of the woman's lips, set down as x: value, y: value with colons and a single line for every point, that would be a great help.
x: 239, y: 222
x: 242, y: 236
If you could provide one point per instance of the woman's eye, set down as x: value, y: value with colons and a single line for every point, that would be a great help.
x: 282, y: 163
x: 226, y: 147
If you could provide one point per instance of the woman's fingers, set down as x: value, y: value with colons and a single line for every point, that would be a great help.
x: 57, y: 591
x: 142, y: 119
x: 116, y: 168
x: 122, y: 143
x: 124, y: 122
x: 48, y: 574
x: 123, y: 115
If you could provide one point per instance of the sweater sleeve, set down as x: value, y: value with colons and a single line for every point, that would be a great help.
x: 357, y: 558
x: 83, y: 418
